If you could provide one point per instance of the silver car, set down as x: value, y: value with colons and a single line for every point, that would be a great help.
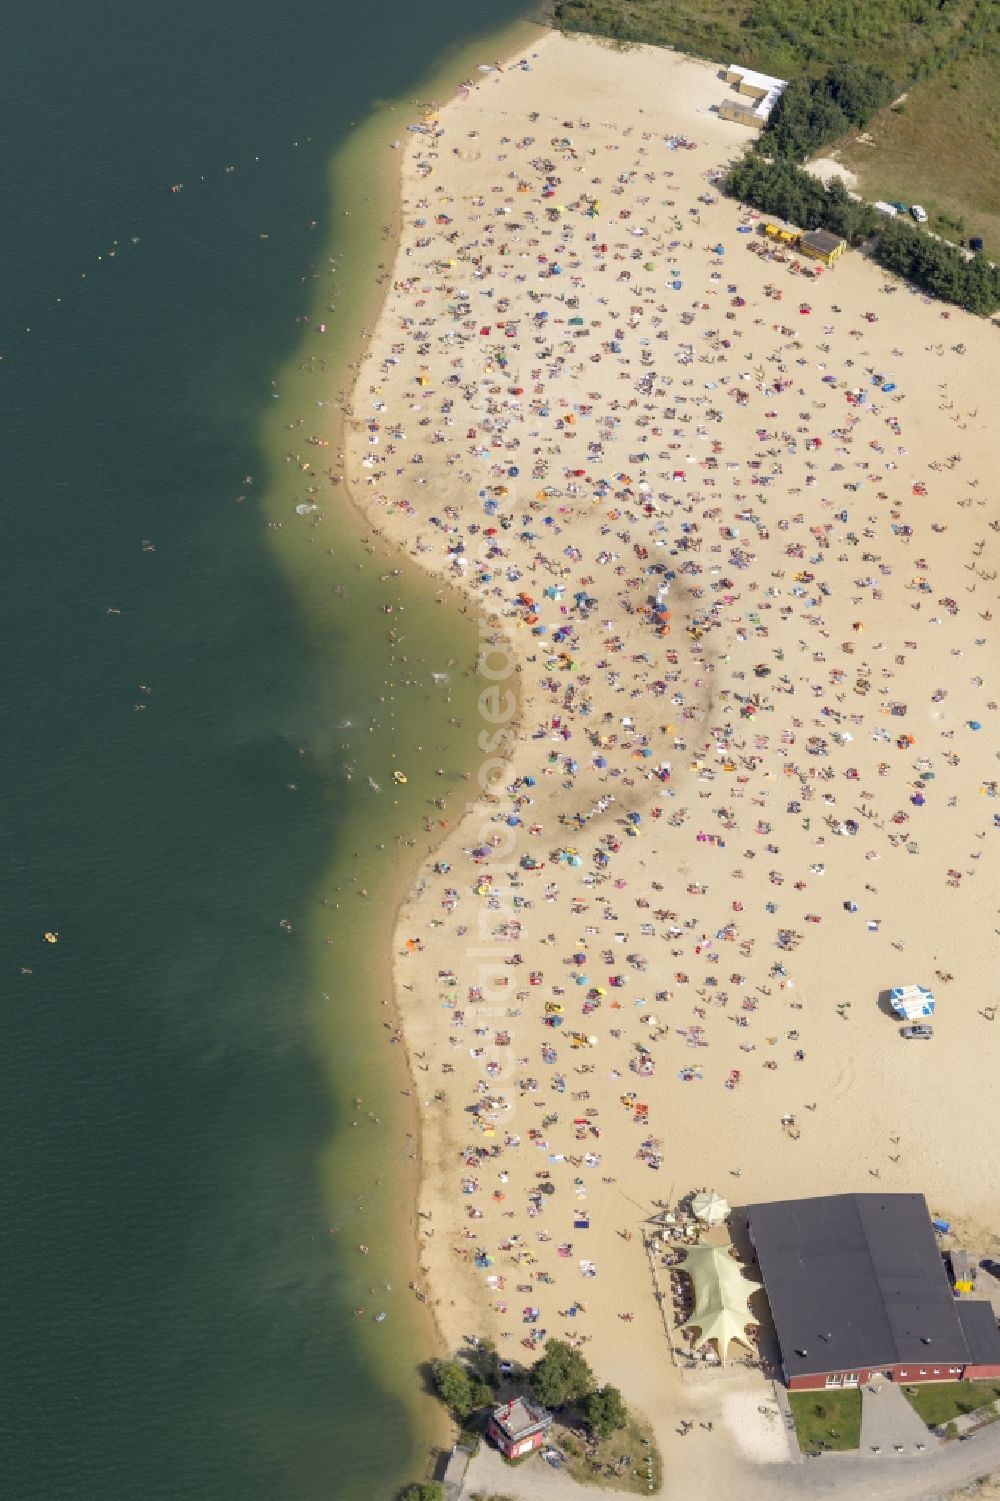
x: 920, y: 1032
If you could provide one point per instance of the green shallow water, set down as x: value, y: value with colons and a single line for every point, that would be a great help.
x: 177, y: 1074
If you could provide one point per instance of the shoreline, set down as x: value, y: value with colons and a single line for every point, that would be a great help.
x: 360, y: 298
x: 445, y: 78
x: 863, y: 1081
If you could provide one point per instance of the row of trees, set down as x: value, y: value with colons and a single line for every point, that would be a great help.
x: 785, y: 190
x: 813, y: 111
x: 939, y: 268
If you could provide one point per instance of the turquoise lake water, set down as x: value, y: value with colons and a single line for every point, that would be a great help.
x: 175, y: 1317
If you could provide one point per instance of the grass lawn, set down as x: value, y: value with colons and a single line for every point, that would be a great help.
x: 827, y: 1420
x: 593, y: 1469
x: 942, y: 149
x: 940, y: 1402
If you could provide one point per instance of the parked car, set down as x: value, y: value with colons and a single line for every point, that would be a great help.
x: 901, y: 208
x: 919, y: 213
x: 976, y: 244
x: 918, y: 1032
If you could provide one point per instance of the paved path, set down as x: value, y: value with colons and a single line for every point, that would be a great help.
x: 534, y: 1480
x: 930, y: 1476
x: 889, y: 1425
x: 795, y: 1455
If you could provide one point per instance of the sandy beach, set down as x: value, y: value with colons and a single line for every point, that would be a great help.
x: 728, y: 531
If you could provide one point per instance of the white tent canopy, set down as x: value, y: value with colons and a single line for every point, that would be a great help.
x: 720, y: 1291
x: 909, y: 1001
x: 709, y: 1207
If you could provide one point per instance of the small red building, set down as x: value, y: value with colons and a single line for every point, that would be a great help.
x: 857, y: 1287
x: 519, y: 1426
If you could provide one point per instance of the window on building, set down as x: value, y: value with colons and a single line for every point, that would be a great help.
x: 834, y: 1380
x: 851, y: 1378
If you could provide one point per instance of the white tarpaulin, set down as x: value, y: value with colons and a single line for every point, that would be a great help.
x: 909, y: 1001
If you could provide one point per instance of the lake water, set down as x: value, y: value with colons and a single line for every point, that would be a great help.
x: 191, y: 713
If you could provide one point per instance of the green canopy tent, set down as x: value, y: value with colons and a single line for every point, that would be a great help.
x: 721, y: 1292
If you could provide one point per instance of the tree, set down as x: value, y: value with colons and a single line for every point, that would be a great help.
x: 857, y: 91
x: 484, y: 1362
x: 982, y: 287
x: 779, y: 188
x: 605, y: 1411
x: 813, y: 111
x: 462, y: 1391
x: 849, y: 217
x: 430, y: 1490
x: 561, y: 1376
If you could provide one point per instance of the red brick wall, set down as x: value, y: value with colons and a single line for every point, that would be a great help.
x: 913, y: 1375
x: 908, y: 1375
x: 500, y: 1439
x: 508, y: 1446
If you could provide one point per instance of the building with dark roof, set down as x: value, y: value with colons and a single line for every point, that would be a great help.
x: 857, y: 1287
x: 821, y: 245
